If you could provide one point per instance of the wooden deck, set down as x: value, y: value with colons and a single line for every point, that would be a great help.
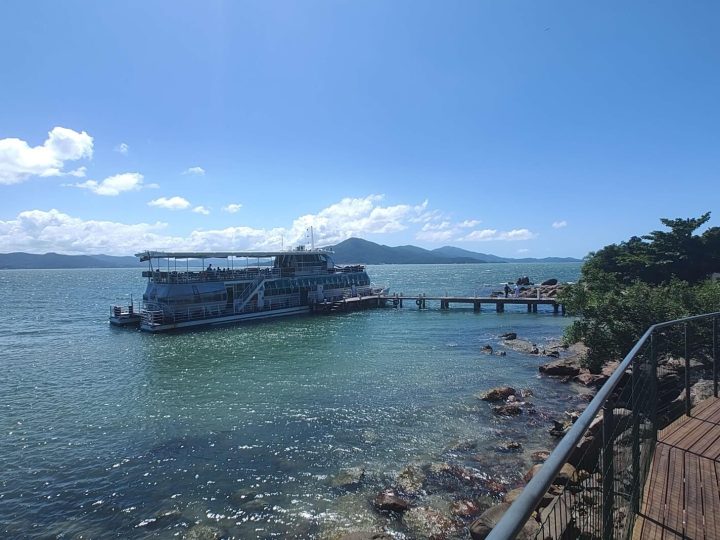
x: 682, y: 493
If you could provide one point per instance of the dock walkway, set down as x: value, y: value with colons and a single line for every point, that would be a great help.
x: 444, y: 302
x: 682, y: 493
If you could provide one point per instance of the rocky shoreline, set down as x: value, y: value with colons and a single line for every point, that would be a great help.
x: 463, y: 491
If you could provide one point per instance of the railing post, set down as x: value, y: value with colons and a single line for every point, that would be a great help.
x: 653, y: 387
x: 715, y: 355
x: 608, y: 471
x: 687, y: 371
x: 635, y: 397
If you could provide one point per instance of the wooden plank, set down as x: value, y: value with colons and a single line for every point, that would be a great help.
x: 653, y: 506
x: 674, y: 492
x: 688, y: 432
x: 710, y: 498
x: 693, y: 505
x: 708, y: 409
x: 706, y: 445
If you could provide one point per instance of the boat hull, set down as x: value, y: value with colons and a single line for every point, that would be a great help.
x: 225, y: 320
x: 125, y: 320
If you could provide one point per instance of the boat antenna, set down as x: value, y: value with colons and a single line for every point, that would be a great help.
x: 312, y: 239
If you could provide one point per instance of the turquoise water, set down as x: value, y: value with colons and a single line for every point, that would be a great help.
x: 245, y: 427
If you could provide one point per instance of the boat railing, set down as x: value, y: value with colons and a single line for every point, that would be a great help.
x: 173, y: 277
x: 349, y: 269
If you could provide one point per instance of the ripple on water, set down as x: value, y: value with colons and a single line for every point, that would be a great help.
x: 119, y: 433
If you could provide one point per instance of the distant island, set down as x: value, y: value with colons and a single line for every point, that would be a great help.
x: 350, y: 251
x: 359, y: 251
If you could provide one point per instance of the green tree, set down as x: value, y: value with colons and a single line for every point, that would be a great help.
x: 626, y: 287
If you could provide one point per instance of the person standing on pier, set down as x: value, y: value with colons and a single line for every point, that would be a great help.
x: 517, y: 290
x: 507, y: 290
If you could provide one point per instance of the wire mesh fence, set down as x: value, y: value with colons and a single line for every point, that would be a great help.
x: 593, y: 484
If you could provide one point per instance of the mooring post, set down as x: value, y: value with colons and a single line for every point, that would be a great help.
x: 529, y: 308
x: 556, y: 308
x: 476, y: 306
x: 608, y: 471
x: 535, y: 308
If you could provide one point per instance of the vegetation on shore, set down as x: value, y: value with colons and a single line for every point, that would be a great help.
x: 625, y: 288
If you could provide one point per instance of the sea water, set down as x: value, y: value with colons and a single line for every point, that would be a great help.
x: 108, y: 432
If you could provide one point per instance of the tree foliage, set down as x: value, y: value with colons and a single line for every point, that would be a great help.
x: 627, y: 287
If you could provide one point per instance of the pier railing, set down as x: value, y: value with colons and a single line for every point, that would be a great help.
x: 592, y: 484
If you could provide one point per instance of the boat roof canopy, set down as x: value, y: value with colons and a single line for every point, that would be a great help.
x: 147, y: 255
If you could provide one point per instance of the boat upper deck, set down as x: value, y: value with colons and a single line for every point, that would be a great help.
x: 243, y: 274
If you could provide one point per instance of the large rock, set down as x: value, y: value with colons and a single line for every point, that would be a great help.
x: 350, y: 477
x: 390, y: 501
x: 565, y: 475
x: 500, y: 393
x: 512, y: 495
x: 587, y: 451
x: 411, y: 480
x: 508, y: 409
x: 362, y: 535
x: 565, y: 367
x: 540, y: 456
x: 591, y: 380
x: 481, y: 527
x: 532, y: 472
x: 426, y: 523
x: 509, y: 336
x: 520, y: 345
x: 203, y: 532
x: 464, y: 509
x: 548, y: 282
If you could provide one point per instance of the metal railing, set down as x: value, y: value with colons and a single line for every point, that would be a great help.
x: 592, y: 484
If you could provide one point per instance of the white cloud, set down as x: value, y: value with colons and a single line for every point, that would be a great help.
x: 523, y: 250
x: 171, y: 203
x: 201, y: 210
x: 559, y: 224
x: 122, y: 148
x: 489, y: 235
x: 232, y: 208
x: 435, y: 236
x: 39, y: 231
x: 114, y: 185
x: 19, y: 161
x: 469, y: 223
x: 195, y: 170
x: 354, y: 217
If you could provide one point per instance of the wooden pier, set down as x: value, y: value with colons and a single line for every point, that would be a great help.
x: 421, y: 302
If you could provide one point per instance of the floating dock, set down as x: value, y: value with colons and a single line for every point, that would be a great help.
x: 421, y: 302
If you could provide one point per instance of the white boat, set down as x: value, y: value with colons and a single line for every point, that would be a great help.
x: 182, y: 294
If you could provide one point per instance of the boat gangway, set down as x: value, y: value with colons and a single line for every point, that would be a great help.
x: 643, y: 460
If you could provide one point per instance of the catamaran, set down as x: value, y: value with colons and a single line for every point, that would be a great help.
x: 276, y: 284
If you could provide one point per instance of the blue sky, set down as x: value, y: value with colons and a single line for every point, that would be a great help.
x: 515, y: 128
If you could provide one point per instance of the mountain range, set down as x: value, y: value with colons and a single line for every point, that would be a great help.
x: 359, y: 251
x: 350, y: 251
